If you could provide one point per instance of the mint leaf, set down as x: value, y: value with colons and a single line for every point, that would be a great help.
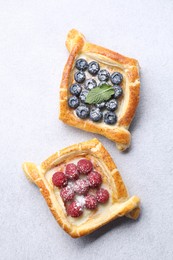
x: 100, y: 94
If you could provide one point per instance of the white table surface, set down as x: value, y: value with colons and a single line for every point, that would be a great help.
x: 32, y: 57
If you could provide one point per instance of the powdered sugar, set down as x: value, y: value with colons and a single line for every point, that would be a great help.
x: 67, y: 194
x: 77, y: 200
x: 81, y: 186
x: 74, y: 209
x: 81, y: 200
x: 71, y: 184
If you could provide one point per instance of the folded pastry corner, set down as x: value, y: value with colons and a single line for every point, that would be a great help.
x: 99, y: 90
x: 83, y: 188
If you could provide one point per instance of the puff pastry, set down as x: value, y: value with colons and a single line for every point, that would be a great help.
x: 78, y: 48
x: 119, y: 203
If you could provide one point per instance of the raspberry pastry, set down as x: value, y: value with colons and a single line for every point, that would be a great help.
x: 83, y: 188
x: 99, y: 91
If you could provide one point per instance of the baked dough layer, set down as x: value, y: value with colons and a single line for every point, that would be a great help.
x: 77, y: 46
x: 120, y: 203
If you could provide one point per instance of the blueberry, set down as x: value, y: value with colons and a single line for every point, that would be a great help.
x: 118, y: 91
x: 95, y: 114
x: 82, y: 111
x: 112, y: 105
x: 81, y: 64
x: 79, y: 76
x: 73, y: 102
x: 83, y: 95
x: 93, y: 68
x: 103, y: 75
x: 110, y: 118
x: 101, y: 105
x: 90, y: 84
x: 75, y: 89
x: 116, y: 78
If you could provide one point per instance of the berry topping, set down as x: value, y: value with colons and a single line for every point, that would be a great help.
x: 93, y: 68
x: 90, y: 84
x: 84, y: 166
x: 90, y: 202
x: 74, y: 209
x: 95, y: 179
x: 102, y: 195
x: 101, y: 105
x: 67, y: 194
x: 95, y: 114
x: 103, y: 75
x: 83, y: 95
x: 59, y: 179
x: 81, y: 186
x: 73, y: 102
x: 82, y: 111
x: 112, y: 105
x: 79, y: 76
x: 110, y: 118
x: 116, y: 78
x: 81, y: 64
x: 75, y: 89
x: 71, y: 171
x: 118, y: 91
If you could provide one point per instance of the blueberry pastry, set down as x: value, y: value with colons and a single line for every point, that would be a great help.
x: 83, y: 188
x: 99, y: 91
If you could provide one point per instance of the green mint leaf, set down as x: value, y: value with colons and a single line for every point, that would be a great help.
x: 100, y: 94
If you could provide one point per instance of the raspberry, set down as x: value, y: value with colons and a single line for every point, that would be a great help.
x: 81, y: 186
x: 74, y: 209
x: 59, y: 179
x: 102, y: 195
x: 84, y: 166
x: 71, y: 171
x: 95, y: 179
x: 90, y: 202
x: 67, y: 194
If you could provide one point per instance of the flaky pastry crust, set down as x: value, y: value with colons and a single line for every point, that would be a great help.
x: 77, y: 45
x: 120, y: 204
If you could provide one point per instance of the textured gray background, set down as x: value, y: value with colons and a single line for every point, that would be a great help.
x: 32, y: 57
